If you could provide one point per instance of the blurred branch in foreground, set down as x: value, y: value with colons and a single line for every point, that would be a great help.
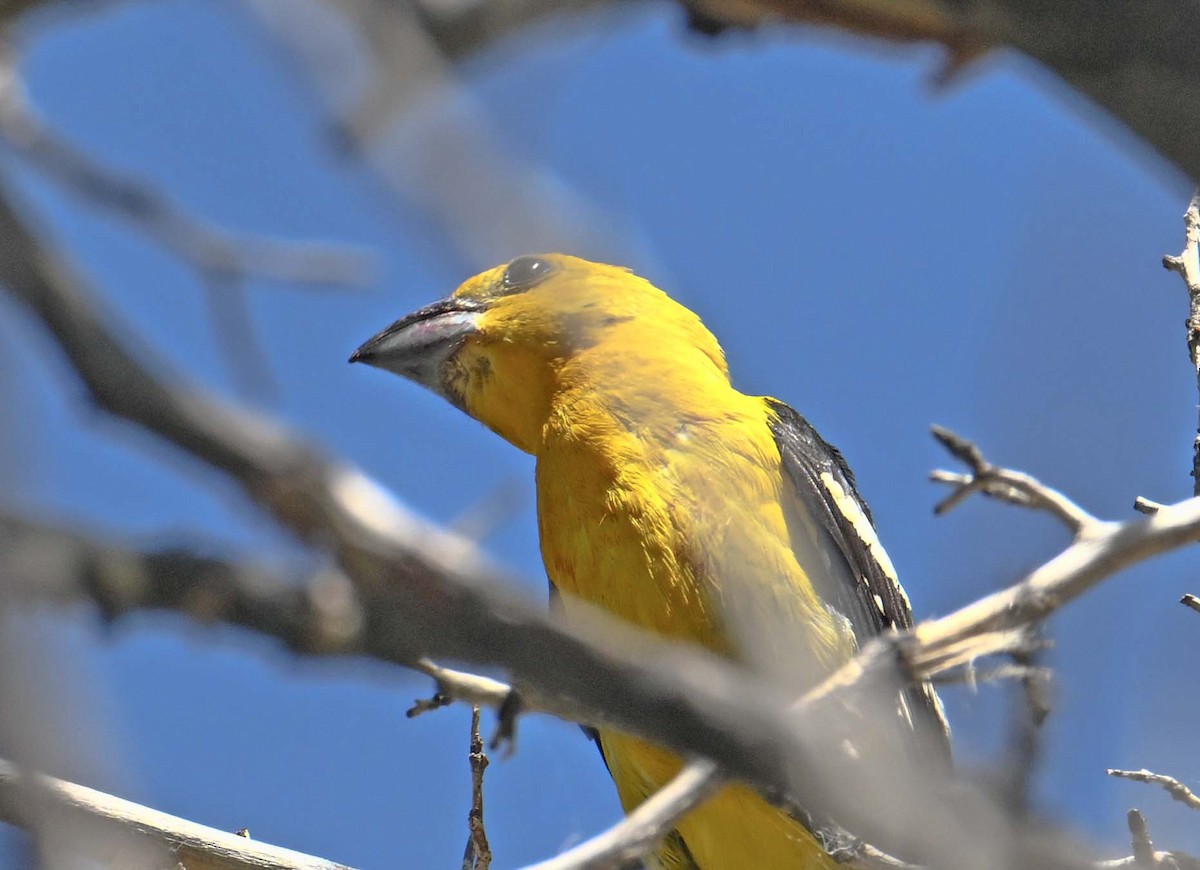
x: 43, y: 563
x: 224, y: 260
x: 410, y: 590
x: 1135, y: 60
x: 211, y: 250
x: 396, y: 58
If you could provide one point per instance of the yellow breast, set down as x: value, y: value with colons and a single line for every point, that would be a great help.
x: 677, y: 524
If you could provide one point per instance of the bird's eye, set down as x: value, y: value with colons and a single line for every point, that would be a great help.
x: 524, y: 272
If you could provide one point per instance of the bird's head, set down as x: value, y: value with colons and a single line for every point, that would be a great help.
x: 497, y: 347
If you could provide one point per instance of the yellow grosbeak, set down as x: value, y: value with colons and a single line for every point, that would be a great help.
x: 668, y: 498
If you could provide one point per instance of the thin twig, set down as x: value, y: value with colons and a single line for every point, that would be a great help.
x: 1172, y: 786
x: 1108, y: 548
x: 993, y: 624
x: 1187, y: 266
x: 1146, y: 506
x: 478, y: 853
x: 237, y: 339
x: 1191, y: 601
x: 1004, y: 484
x: 638, y: 833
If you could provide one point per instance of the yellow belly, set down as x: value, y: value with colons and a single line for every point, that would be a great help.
x: 616, y: 533
x: 734, y: 830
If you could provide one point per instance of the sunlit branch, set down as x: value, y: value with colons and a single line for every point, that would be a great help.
x: 1176, y: 789
x: 119, y: 833
x: 1100, y: 549
x: 461, y: 686
x: 1003, y: 484
x: 1187, y: 265
x: 642, y: 829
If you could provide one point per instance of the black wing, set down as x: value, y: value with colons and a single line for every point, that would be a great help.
x: 871, y: 597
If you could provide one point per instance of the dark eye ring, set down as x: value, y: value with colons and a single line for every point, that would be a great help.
x: 524, y: 272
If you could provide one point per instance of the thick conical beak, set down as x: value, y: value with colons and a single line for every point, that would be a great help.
x: 418, y: 346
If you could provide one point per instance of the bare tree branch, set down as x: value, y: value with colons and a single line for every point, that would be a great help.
x: 1187, y: 265
x: 118, y: 833
x: 971, y: 676
x: 1030, y: 708
x: 1076, y: 569
x: 43, y: 563
x: 996, y: 623
x: 1003, y: 484
x: 315, y: 614
x: 1137, y: 61
x: 478, y: 853
x: 1173, y: 787
x: 224, y: 260
x: 491, y: 203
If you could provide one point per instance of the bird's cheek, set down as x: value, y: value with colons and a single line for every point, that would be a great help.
x: 464, y: 378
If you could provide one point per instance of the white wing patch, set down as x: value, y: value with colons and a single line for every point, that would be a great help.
x: 849, y: 507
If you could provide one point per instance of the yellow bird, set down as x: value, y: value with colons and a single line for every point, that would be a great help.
x: 668, y: 498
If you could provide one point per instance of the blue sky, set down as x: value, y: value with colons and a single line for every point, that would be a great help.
x: 879, y: 253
